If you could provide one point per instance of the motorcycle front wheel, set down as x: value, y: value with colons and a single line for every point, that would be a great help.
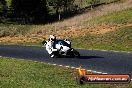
x: 74, y: 53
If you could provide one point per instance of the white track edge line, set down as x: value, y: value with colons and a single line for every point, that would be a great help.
x: 71, y: 67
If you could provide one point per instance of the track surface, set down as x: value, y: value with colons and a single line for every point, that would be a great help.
x: 102, y: 61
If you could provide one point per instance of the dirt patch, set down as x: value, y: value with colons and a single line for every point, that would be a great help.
x: 67, y: 33
x: 101, y: 29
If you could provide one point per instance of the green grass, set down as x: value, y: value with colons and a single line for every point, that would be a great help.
x: 29, y: 74
x: 120, y: 17
x: 119, y: 40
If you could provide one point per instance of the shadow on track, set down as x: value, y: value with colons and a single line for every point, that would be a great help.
x: 89, y: 57
x: 82, y: 57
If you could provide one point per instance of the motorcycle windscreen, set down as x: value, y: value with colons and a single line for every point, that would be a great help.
x: 63, y: 43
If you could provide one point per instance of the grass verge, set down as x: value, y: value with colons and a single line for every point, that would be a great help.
x: 29, y: 74
x: 119, y: 17
x: 119, y: 40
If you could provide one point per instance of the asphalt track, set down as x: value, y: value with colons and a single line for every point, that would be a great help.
x: 101, y: 61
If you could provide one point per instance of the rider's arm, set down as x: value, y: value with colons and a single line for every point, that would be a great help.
x: 49, y: 47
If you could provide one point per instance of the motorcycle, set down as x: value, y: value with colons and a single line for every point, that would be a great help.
x: 63, y: 49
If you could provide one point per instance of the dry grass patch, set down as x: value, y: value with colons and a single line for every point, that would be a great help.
x: 101, y: 29
x: 67, y: 33
x: 17, y: 40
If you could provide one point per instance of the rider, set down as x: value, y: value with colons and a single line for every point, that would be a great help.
x: 53, y: 40
x: 50, y: 46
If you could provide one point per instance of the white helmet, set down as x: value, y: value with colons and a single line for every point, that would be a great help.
x: 52, y: 38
